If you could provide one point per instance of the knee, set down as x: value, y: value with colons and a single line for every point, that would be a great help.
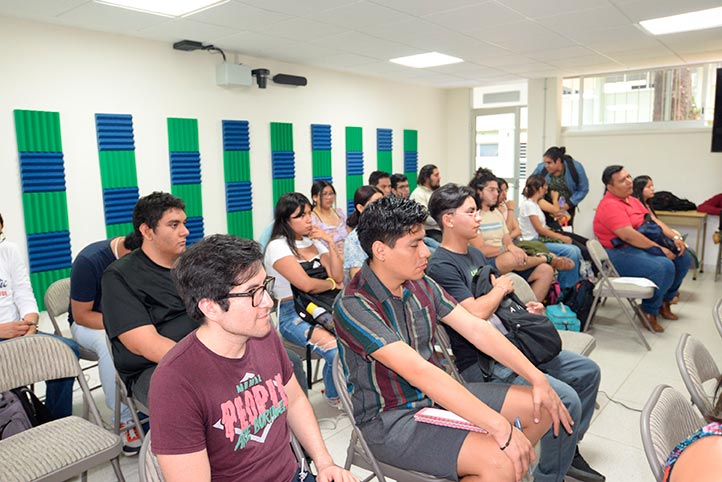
x: 500, y: 469
x: 545, y: 272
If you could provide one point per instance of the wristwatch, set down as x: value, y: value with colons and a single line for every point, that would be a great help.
x: 677, y: 237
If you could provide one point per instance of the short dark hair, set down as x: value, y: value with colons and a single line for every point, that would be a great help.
x: 150, y: 209
x: 212, y: 267
x: 533, y: 184
x: 396, y: 179
x: 481, y: 178
x: 361, y: 196
x: 318, y: 186
x: 424, y: 174
x: 285, y: 207
x: 447, y: 198
x: 610, y: 171
x: 376, y: 176
x: 387, y: 220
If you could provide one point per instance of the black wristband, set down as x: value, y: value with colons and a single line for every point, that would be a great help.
x: 511, y: 432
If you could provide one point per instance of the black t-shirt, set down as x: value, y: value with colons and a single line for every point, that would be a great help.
x: 454, y: 272
x: 138, y: 292
x: 86, y: 273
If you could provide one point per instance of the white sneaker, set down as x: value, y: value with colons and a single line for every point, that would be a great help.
x: 131, y: 440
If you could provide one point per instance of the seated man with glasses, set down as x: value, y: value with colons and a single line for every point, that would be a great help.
x: 224, y: 399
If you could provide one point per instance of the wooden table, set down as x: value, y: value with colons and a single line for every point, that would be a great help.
x: 693, y: 219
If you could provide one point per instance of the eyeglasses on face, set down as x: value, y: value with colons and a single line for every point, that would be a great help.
x: 256, y: 294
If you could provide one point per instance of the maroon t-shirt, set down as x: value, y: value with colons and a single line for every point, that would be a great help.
x: 613, y: 213
x: 233, y: 408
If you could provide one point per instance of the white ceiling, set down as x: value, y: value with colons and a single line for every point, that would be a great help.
x: 500, y: 40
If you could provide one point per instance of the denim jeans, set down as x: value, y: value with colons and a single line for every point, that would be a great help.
x: 294, y: 329
x: 575, y: 378
x: 94, y: 340
x: 666, y: 274
x: 568, y: 278
x: 59, y: 393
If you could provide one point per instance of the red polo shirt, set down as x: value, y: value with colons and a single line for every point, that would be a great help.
x: 614, y: 213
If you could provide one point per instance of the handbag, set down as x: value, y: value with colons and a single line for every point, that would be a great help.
x: 653, y: 232
x: 534, y: 335
x: 315, y: 308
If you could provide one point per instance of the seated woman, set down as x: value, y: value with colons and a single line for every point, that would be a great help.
x: 533, y: 227
x: 294, y: 240
x: 326, y: 216
x: 354, y: 256
x: 506, y: 207
x: 699, y: 458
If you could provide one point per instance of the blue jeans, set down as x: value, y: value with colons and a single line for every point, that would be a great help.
x: 576, y: 379
x: 294, y: 330
x: 665, y: 273
x: 568, y: 278
x: 59, y: 393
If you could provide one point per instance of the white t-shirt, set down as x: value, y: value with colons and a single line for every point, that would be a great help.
x: 16, y: 293
x: 527, y: 207
x: 278, y: 248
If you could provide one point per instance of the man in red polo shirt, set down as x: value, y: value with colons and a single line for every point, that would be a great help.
x: 618, y: 216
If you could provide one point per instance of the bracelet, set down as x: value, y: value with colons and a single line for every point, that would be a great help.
x: 333, y: 282
x: 511, y: 432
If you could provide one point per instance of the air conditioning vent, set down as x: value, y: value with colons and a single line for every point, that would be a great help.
x: 511, y: 96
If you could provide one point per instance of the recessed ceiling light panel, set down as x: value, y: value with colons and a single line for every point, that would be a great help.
x: 431, y: 59
x: 685, y: 22
x: 166, y: 8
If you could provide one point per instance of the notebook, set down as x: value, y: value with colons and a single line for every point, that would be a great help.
x: 438, y: 416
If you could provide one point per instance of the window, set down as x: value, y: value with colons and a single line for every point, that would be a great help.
x: 662, y: 95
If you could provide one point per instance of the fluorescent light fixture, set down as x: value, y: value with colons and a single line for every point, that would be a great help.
x: 431, y: 59
x: 166, y: 8
x: 684, y: 22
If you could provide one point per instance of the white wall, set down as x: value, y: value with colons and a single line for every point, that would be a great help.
x: 79, y: 73
x: 678, y: 160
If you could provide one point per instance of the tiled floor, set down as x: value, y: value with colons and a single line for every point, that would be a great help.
x: 629, y: 373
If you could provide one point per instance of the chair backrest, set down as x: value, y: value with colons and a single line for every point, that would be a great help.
x: 57, y: 301
x: 522, y: 288
x: 601, y: 259
x: 696, y: 366
x: 667, y: 419
x: 442, y: 339
x: 32, y: 359
x: 148, y: 466
x: 717, y: 315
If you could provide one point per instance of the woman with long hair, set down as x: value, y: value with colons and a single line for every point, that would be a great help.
x: 506, y: 207
x: 295, y: 240
x: 326, y: 215
x: 354, y: 256
x: 533, y: 227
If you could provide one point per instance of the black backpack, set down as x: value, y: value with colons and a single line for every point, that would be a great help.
x: 20, y: 410
x: 666, y: 201
x: 580, y: 299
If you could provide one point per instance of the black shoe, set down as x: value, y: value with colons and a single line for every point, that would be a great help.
x: 581, y: 470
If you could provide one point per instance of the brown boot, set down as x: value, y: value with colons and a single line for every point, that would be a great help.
x: 653, y: 323
x: 666, y: 312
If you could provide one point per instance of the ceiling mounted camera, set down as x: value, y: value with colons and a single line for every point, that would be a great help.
x: 261, y: 76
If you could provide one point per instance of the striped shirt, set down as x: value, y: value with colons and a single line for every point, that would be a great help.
x: 493, y: 227
x: 369, y: 317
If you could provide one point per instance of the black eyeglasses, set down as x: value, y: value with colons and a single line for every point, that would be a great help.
x: 256, y: 294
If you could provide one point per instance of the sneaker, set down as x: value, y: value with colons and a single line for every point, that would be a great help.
x: 581, y: 470
x: 334, y: 402
x: 131, y: 440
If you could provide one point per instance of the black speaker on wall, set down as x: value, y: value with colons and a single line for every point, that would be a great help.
x: 717, y: 126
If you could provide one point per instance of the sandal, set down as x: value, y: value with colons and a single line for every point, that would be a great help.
x: 562, y: 263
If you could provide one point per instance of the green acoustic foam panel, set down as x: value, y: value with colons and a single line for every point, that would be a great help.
x: 353, y: 183
x: 45, y: 212
x: 191, y: 195
x: 42, y: 279
x: 240, y: 223
x: 182, y: 135
x: 321, y: 160
x: 236, y: 166
x: 119, y: 229
x: 281, y: 136
x: 38, y: 131
x: 281, y: 187
x: 412, y: 179
x: 354, y: 139
x: 384, y: 161
x: 411, y: 140
x: 117, y: 169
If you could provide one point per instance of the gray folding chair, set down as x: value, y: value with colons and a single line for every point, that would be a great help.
x: 121, y: 394
x: 696, y: 366
x: 625, y: 293
x: 61, y: 449
x: 358, y: 452
x: 717, y: 315
x: 667, y: 419
x: 444, y: 347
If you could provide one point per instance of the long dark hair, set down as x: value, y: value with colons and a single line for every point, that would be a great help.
x: 285, y: 207
x: 555, y: 153
x: 361, y: 196
x: 317, y: 189
x: 638, y: 185
x: 533, y: 184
